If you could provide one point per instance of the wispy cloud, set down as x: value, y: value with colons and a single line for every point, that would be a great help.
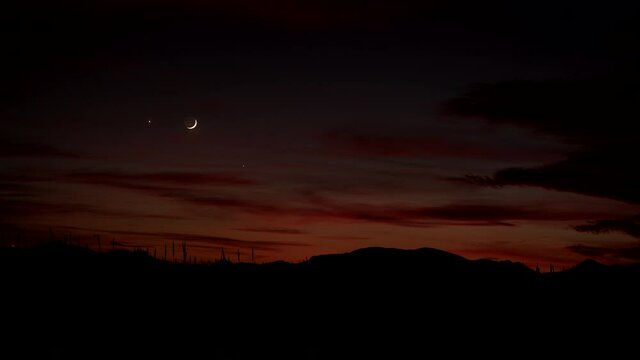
x: 607, y: 253
x: 321, y: 209
x: 16, y: 208
x: 34, y: 150
x: 342, y: 237
x: 280, y: 231
x: 630, y: 226
x: 171, y: 178
x: 194, y: 239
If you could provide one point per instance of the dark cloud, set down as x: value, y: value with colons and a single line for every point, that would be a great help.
x: 16, y: 190
x: 606, y: 173
x: 34, y: 150
x: 280, y: 231
x: 606, y: 253
x: 321, y: 209
x: 594, y: 115
x: 630, y: 227
x: 10, y: 208
x: 574, y: 110
x: 342, y: 237
x: 16, y: 208
x: 210, y: 241
x: 480, y: 214
x: 224, y: 241
x: 171, y: 178
x: 249, y: 206
x: 165, y: 184
x: 311, y: 206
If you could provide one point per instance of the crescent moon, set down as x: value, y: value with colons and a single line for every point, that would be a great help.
x: 194, y: 125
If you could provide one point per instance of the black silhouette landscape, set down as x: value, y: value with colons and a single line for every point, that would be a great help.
x: 64, y: 301
x: 244, y: 179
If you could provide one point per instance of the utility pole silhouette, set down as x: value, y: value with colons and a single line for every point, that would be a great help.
x: 238, y: 255
x: 184, y: 251
x: 173, y: 250
x: 113, y: 244
x: 538, y: 268
x: 165, y: 250
x: 224, y: 258
x: 253, y: 258
x: 99, y: 243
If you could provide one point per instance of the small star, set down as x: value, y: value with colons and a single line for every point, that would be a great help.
x: 244, y: 166
x: 149, y: 121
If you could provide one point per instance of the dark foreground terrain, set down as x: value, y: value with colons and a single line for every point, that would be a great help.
x: 63, y: 302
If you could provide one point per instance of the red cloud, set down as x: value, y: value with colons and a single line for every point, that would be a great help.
x: 320, y: 209
x: 211, y: 241
x: 173, y: 178
x: 13, y: 208
x: 281, y: 231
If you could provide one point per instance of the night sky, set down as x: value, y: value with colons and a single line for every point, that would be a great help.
x: 498, y: 129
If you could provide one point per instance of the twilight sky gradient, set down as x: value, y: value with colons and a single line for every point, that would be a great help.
x: 500, y: 129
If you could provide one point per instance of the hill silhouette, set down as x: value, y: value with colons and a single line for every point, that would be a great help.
x: 70, y: 302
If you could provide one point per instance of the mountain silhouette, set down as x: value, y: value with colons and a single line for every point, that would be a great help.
x: 588, y: 266
x: 70, y: 302
x: 378, y: 255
